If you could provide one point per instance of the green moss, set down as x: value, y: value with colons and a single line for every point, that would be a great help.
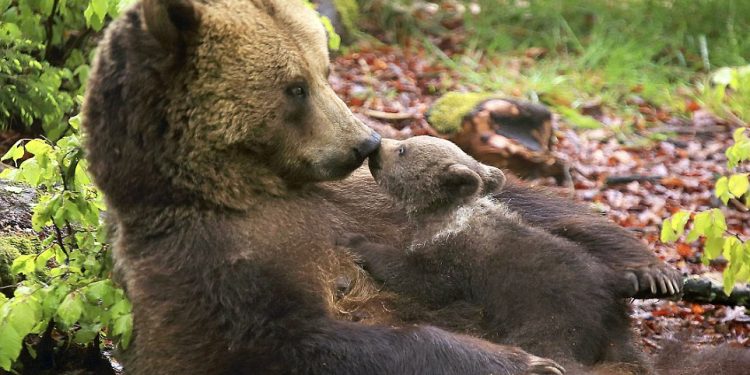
x: 349, y: 13
x: 448, y: 111
x: 11, y: 247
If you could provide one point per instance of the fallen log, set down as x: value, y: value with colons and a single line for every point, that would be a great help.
x: 506, y: 133
x: 705, y: 289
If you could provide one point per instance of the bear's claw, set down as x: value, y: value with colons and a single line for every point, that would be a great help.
x: 655, y: 281
x: 544, y: 366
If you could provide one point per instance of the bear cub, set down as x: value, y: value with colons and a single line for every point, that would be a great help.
x: 536, y: 290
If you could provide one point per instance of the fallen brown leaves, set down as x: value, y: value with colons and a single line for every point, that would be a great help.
x: 664, y: 176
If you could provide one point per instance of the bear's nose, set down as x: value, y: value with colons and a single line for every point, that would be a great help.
x: 367, y: 147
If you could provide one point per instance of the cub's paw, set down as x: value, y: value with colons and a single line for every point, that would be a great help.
x: 654, y: 281
x: 543, y: 366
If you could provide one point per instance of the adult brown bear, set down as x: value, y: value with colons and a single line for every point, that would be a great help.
x: 212, y: 130
x: 208, y: 126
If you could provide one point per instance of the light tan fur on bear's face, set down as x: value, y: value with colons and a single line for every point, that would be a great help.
x: 240, y: 97
x: 246, y: 107
x: 428, y: 174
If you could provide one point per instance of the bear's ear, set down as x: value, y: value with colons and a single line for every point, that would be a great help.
x: 460, y: 181
x: 169, y: 21
x: 494, y: 180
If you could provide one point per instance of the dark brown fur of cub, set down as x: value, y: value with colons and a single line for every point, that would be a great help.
x: 537, y: 290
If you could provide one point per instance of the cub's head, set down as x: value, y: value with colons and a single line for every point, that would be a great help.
x: 428, y: 173
x: 216, y: 101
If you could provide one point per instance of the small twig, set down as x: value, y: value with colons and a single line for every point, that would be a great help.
x: 48, y: 30
x: 615, y: 180
x: 59, y: 238
x: 735, y: 235
x: 738, y: 205
x: 75, y: 43
x: 388, y: 116
x: 690, y: 130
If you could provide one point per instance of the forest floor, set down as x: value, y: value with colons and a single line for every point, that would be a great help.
x: 684, y: 149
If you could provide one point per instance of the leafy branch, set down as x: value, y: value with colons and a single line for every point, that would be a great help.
x: 711, y: 224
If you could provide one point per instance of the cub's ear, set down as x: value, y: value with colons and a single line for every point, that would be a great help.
x: 494, y: 180
x: 460, y: 181
x: 170, y: 21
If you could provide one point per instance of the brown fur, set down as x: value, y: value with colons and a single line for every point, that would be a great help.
x: 537, y: 290
x: 211, y: 158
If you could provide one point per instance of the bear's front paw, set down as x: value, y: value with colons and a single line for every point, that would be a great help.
x: 654, y: 281
x: 544, y: 366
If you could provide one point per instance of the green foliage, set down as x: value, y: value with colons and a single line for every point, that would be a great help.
x: 349, y: 12
x: 728, y: 91
x: 11, y: 247
x: 614, y: 53
x: 711, y: 224
x: 44, y: 46
x: 67, y: 283
x: 695, y: 34
x: 334, y: 40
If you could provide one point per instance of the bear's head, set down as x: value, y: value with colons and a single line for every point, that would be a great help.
x: 216, y: 102
x: 427, y: 174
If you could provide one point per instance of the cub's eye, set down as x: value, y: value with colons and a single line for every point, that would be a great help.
x: 297, y: 91
x: 401, y: 150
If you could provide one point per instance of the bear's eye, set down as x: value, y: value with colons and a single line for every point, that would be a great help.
x: 297, y: 91
x: 401, y: 150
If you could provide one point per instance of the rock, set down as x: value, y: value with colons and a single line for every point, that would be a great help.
x: 16, y: 202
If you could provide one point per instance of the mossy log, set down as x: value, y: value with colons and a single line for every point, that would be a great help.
x: 506, y: 133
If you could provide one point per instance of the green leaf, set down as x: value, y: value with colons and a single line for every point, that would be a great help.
x: 738, y: 184
x: 712, y: 248
x: 38, y: 147
x: 101, y: 291
x: 100, y: 8
x: 55, y: 295
x: 24, y: 264
x: 739, y: 135
x: 16, y: 153
x: 679, y: 219
x: 729, y: 277
x: 31, y: 171
x: 25, y: 315
x: 86, y: 333
x: 722, y: 189
x: 668, y: 234
x: 70, y: 309
x: 121, y: 307
x: 124, y: 328
x: 729, y: 244
x: 702, y: 222
x: 718, y: 223
x: 10, y: 345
